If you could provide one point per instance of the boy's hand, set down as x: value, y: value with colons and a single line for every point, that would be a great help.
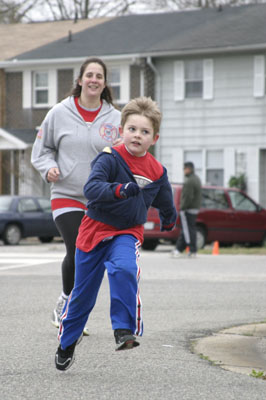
x: 168, y: 227
x: 129, y: 189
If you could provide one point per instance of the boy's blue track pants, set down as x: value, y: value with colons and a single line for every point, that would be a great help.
x: 119, y: 256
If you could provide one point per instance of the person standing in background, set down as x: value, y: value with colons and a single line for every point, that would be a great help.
x: 189, y: 207
x: 73, y: 132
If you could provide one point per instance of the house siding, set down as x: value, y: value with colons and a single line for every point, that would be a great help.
x: 16, y: 116
x: 134, y: 81
x: 233, y: 121
x: 65, y: 83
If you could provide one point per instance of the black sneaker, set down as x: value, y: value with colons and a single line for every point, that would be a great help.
x: 65, y: 358
x: 124, y: 339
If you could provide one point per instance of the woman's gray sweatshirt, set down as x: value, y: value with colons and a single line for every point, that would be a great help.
x: 67, y: 142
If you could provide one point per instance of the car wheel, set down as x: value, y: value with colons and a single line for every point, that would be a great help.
x: 46, y: 239
x: 201, y: 237
x: 12, y: 234
x: 150, y: 244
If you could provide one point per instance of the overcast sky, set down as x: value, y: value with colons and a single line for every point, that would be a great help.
x: 42, y: 13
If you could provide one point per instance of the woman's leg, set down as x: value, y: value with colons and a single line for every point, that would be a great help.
x: 68, y: 226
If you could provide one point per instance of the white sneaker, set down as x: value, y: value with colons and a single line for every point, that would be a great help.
x: 86, y: 331
x: 192, y: 255
x: 176, y: 254
x: 56, y: 316
x: 58, y: 311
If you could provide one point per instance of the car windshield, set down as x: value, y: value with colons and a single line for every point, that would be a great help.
x: 5, y: 203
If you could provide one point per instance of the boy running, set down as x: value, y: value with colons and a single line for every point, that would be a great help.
x: 124, y: 182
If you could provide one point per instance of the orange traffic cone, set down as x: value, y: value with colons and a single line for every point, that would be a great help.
x: 215, y: 250
x: 187, y: 249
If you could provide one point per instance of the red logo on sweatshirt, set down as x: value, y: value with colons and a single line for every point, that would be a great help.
x: 108, y: 132
x: 39, y: 134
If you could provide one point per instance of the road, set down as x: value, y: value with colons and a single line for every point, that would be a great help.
x: 183, y: 300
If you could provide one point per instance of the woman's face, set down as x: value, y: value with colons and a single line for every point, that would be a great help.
x: 92, y: 82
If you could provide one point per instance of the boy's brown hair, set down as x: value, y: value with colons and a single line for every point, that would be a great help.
x: 143, y: 106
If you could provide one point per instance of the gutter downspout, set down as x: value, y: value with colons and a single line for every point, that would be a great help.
x: 157, y: 96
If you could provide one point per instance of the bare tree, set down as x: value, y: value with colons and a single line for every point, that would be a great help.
x: 12, y: 11
x: 15, y: 11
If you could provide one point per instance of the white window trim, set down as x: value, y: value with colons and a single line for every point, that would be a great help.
x: 206, y: 168
x: 259, y: 76
x: 36, y: 89
x: 124, y: 82
x: 208, y: 79
x: 179, y: 80
x: 28, y: 98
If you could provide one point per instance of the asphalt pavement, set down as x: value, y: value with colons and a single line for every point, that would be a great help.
x: 204, y: 331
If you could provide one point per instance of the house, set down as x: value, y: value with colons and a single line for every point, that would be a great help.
x: 16, y: 144
x: 205, y: 68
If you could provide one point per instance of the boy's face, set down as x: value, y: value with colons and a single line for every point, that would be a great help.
x: 138, y: 134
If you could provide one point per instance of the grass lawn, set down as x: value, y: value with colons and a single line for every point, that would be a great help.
x: 235, y: 249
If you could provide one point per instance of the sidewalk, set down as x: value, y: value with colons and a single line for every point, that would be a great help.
x: 239, y: 349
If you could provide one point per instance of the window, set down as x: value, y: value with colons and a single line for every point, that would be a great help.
x: 118, y: 80
x: 214, y: 199
x: 40, y: 88
x: 195, y: 156
x: 45, y: 204
x: 240, y: 202
x: 5, y: 203
x: 27, y: 205
x: 214, y: 167
x: 193, y: 78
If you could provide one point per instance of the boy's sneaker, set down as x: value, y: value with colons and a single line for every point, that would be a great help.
x: 65, y: 358
x: 124, y: 339
x: 58, y: 311
x: 192, y: 255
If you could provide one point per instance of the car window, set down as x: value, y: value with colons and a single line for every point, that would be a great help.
x: 5, y: 203
x: 214, y: 199
x: 241, y: 202
x: 45, y: 204
x: 27, y: 205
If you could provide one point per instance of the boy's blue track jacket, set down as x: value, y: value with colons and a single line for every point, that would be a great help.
x: 109, y: 170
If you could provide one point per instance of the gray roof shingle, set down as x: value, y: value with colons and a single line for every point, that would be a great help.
x: 163, y: 32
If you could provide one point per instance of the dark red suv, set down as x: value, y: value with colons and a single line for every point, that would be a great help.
x: 227, y: 215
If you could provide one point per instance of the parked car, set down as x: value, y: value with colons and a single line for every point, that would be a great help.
x: 227, y: 215
x: 25, y: 216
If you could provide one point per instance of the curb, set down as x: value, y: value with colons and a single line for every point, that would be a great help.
x: 240, y: 349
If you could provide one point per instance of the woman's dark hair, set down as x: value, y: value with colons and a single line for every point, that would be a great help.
x: 106, y: 93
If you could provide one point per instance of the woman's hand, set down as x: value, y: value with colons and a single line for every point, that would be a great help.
x: 53, y: 174
x: 117, y: 141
